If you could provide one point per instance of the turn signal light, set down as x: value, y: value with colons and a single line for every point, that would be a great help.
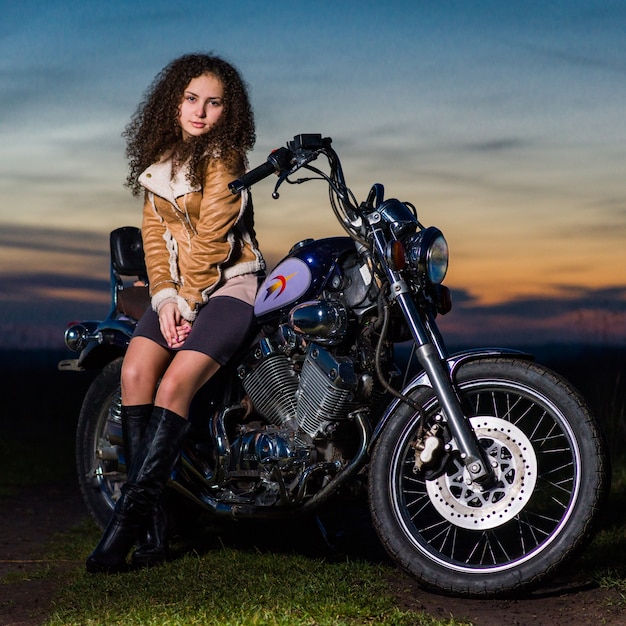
x: 396, y: 256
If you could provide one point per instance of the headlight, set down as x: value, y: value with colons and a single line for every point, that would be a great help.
x: 427, y: 252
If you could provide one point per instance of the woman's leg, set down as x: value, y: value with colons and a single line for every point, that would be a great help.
x: 179, y: 384
x: 187, y: 372
x: 144, y: 364
x: 165, y: 432
x: 147, y: 478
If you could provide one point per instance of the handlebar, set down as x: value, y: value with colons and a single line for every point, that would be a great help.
x: 284, y: 161
x: 277, y: 161
x: 298, y: 154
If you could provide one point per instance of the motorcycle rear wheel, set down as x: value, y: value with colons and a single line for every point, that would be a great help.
x: 552, y: 470
x: 99, y: 450
x: 99, y: 443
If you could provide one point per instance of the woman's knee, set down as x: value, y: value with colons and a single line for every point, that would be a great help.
x: 172, y: 390
x: 139, y: 378
x: 131, y: 373
x: 143, y: 364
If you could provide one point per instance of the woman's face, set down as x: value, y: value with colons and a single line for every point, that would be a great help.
x: 201, y: 106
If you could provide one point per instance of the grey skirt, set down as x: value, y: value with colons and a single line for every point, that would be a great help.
x: 218, y: 331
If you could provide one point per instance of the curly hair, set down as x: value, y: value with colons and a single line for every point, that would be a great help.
x: 154, y: 131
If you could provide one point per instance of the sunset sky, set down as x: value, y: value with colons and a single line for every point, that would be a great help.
x: 503, y: 122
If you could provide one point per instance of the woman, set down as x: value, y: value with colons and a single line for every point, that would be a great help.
x: 187, y: 140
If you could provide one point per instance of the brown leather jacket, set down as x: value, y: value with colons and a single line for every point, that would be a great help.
x: 195, y: 239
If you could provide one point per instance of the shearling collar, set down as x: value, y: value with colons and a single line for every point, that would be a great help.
x: 157, y: 179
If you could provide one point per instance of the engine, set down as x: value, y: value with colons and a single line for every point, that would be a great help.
x: 299, y: 386
x: 304, y: 378
x: 307, y: 380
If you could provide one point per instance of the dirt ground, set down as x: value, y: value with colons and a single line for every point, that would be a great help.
x: 27, y: 521
x: 29, y: 518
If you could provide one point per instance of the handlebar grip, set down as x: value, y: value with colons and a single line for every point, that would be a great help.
x: 252, y: 177
x: 276, y: 162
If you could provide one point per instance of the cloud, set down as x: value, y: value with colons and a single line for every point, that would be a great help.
x: 501, y: 120
x: 504, y: 144
x: 576, y: 60
x: 577, y: 315
x: 35, y: 309
x: 51, y: 240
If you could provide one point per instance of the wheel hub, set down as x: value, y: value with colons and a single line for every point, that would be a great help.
x: 465, y: 503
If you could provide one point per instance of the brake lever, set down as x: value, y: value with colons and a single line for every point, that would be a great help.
x: 301, y: 158
x: 281, y: 179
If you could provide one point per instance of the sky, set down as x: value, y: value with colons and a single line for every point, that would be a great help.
x: 502, y: 122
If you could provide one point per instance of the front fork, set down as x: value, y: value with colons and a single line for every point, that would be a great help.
x: 472, y: 453
x: 473, y: 456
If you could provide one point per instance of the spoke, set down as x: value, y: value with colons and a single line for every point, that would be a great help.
x: 508, y: 414
x: 444, y: 535
x: 444, y: 529
x: 413, y: 479
x: 551, y: 486
x: 521, y: 535
x: 524, y: 523
x: 556, y: 450
x: 550, y: 434
x: 523, y: 414
x: 503, y: 550
x: 560, y: 468
x: 563, y: 505
x: 532, y: 435
x: 534, y: 528
x: 548, y: 489
x: 487, y: 551
x: 494, y: 404
x: 425, y: 502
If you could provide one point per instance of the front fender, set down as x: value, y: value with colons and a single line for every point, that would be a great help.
x: 454, y: 363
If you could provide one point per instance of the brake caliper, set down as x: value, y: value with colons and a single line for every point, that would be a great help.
x: 429, y: 449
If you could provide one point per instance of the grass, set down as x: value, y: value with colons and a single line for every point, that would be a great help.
x: 224, y: 585
x: 603, y: 560
x: 228, y: 586
x: 19, y: 469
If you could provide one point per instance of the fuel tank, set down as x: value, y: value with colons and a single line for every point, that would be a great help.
x: 302, y: 275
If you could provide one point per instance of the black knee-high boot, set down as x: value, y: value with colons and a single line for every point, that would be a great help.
x: 152, y: 544
x: 149, y: 473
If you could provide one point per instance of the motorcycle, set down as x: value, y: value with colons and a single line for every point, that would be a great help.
x: 484, y: 471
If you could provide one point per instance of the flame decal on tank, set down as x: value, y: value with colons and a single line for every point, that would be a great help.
x: 280, y: 282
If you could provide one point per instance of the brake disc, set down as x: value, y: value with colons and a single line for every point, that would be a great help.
x: 465, y: 503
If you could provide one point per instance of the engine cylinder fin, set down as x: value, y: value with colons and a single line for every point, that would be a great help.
x: 272, y: 387
x: 323, y: 397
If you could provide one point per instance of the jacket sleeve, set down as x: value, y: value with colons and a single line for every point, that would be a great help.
x: 159, y: 250
x: 214, y: 240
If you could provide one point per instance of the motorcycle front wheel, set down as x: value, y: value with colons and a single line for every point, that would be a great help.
x: 552, y: 477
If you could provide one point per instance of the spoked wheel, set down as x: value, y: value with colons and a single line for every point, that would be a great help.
x: 551, y: 478
x: 99, y: 444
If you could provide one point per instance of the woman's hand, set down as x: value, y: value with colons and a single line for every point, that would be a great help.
x: 174, y: 328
